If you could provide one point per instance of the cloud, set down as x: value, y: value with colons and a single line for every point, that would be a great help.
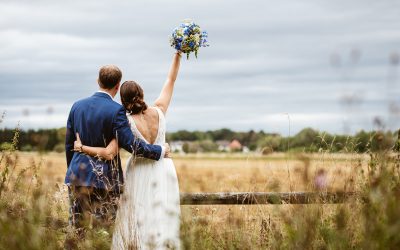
x: 266, y: 58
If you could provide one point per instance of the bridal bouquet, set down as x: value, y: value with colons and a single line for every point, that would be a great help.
x: 188, y: 38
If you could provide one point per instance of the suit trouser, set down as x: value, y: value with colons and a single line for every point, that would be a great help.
x: 91, y: 207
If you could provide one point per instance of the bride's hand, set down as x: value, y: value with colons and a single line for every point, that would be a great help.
x: 78, y: 144
x: 167, y: 151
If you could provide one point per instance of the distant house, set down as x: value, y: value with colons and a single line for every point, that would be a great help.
x: 228, y: 146
x: 223, y: 145
x: 177, y: 146
x: 190, y: 146
x: 235, y: 145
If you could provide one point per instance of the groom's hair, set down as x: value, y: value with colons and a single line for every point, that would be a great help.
x: 109, y: 76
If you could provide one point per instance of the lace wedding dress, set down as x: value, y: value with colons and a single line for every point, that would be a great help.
x: 148, y: 216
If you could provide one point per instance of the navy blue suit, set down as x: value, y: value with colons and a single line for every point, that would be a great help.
x: 98, y: 119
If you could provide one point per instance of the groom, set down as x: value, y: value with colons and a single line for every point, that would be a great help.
x: 94, y: 184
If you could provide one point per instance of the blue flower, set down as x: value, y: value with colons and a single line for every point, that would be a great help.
x: 186, y: 32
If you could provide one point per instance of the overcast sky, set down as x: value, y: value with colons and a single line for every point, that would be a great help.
x: 330, y: 65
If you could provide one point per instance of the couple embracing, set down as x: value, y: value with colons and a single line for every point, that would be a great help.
x: 143, y: 208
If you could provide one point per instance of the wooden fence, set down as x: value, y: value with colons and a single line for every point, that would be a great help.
x: 253, y: 198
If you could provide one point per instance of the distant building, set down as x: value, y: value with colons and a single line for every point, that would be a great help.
x: 223, y: 145
x: 235, y: 145
x: 228, y: 146
x: 245, y: 149
x: 177, y: 146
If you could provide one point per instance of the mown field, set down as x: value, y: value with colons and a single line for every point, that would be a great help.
x: 317, y: 226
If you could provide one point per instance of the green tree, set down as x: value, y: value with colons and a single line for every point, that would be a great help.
x: 185, y: 147
x: 271, y: 143
x: 307, y: 139
x: 208, y: 146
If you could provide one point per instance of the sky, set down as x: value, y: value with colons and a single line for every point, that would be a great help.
x: 277, y: 66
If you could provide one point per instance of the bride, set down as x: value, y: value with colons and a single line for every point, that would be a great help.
x: 148, y: 216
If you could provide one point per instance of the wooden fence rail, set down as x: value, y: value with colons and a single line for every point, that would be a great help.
x: 252, y: 198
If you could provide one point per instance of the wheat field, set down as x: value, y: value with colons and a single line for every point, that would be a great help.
x: 231, y: 226
x: 231, y: 172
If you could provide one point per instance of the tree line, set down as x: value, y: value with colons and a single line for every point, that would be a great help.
x: 307, y: 140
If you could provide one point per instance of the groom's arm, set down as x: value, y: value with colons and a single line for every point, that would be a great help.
x: 129, y: 142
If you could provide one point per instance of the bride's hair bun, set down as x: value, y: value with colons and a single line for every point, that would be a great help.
x: 132, y: 97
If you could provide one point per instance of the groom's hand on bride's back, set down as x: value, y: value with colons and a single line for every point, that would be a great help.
x: 167, y: 151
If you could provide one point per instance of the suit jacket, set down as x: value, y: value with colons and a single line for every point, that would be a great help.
x: 98, y: 119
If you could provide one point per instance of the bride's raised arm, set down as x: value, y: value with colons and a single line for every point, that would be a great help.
x: 164, y: 99
x: 107, y: 153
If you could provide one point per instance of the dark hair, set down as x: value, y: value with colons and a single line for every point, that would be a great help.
x: 132, y: 97
x: 109, y: 76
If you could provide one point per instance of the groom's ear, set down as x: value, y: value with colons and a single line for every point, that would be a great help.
x: 117, y: 86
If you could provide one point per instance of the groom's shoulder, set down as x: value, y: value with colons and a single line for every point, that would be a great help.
x: 79, y: 103
x: 98, y: 101
x: 115, y: 106
x: 107, y: 104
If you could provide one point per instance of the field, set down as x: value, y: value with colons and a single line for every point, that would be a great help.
x: 222, y: 226
x: 231, y: 173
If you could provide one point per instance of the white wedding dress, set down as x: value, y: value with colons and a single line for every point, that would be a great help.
x: 148, y: 216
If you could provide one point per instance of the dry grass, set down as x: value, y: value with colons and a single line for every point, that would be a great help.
x: 230, y: 173
x: 217, y: 225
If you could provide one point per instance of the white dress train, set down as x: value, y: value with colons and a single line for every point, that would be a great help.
x: 148, y: 216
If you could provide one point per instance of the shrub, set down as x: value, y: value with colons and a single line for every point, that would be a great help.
x: 59, y: 148
x: 6, y: 146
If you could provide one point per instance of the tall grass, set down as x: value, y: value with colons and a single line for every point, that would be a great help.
x: 371, y: 220
x: 34, y: 215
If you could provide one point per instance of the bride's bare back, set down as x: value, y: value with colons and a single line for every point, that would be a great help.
x: 148, y: 124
